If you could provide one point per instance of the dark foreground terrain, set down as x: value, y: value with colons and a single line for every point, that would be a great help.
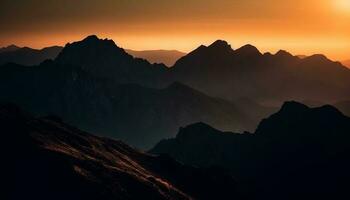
x: 296, y: 153
x: 47, y: 159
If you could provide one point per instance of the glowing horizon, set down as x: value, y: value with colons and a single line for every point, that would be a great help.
x: 299, y: 27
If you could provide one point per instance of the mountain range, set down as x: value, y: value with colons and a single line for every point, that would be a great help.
x: 267, y: 78
x: 47, y: 158
x: 167, y: 57
x: 296, y: 153
x: 30, y: 56
x: 232, y: 74
x: 27, y: 56
x: 99, y: 87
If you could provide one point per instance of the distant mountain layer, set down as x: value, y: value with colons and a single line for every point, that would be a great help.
x: 167, y: 57
x: 221, y: 71
x: 49, y: 159
x: 27, y: 56
x: 299, y: 152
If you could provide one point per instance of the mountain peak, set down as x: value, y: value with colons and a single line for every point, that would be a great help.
x: 220, y: 44
x: 317, y: 58
x: 12, y: 46
x: 91, y: 38
x: 197, y: 130
x: 248, y: 50
x: 293, y: 106
x: 9, y: 48
x: 89, y: 51
x: 283, y: 53
x: 331, y: 110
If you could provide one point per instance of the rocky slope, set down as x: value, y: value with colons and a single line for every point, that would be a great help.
x: 47, y: 158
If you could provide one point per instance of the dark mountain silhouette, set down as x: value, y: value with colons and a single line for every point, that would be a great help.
x: 9, y: 48
x: 168, y: 57
x: 47, y: 158
x: 105, y: 60
x: 297, y: 153
x: 217, y: 70
x: 95, y: 98
x: 231, y: 74
x: 343, y: 106
x: 27, y: 56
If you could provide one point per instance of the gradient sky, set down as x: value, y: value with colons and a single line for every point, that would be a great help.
x: 299, y: 26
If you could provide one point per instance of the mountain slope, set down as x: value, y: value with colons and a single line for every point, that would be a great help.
x: 167, y: 57
x: 231, y: 74
x: 344, y: 106
x: 27, y: 56
x: 62, y: 162
x: 346, y: 63
x: 298, y: 152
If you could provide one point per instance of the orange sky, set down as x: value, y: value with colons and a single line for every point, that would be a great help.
x: 299, y: 26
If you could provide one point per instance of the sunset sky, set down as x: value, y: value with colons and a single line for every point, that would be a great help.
x: 299, y: 26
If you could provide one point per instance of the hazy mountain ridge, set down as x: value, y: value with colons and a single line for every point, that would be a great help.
x: 62, y: 162
x: 291, y: 154
x: 27, y: 56
x: 167, y: 57
x: 247, y: 73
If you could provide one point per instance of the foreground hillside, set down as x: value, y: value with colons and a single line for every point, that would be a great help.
x: 296, y: 153
x: 47, y: 159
